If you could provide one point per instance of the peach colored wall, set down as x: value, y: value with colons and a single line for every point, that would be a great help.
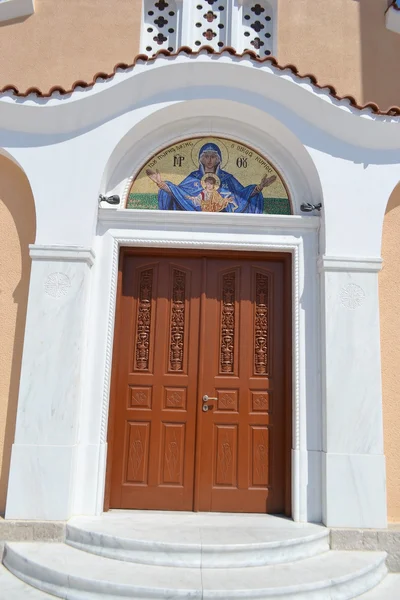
x: 17, y: 227
x: 343, y: 43
x: 67, y: 40
x: 389, y: 286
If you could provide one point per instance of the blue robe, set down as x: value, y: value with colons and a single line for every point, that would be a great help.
x: 191, y: 186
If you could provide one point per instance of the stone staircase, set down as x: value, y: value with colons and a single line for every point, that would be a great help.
x: 145, y: 555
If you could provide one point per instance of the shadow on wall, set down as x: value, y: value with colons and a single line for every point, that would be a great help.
x: 380, y: 52
x: 389, y: 282
x: 18, y: 230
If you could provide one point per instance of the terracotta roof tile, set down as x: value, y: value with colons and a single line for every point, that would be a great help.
x: 392, y: 111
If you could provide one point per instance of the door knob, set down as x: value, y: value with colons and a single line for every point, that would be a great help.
x: 207, y: 398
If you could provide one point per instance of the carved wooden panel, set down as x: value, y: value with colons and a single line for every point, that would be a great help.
x: 260, y: 402
x: 261, y: 325
x: 226, y: 455
x: 227, y: 350
x: 173, y: 452
x: 175, y: 398
x: 177, y: 332
x: 260, y: 455
x: 140, y: 397
x: 227, y: 400
x: 144, y: 320
x: 138, y: 452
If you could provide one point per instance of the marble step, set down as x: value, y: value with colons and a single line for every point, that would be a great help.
x: 69, y: 573
x: 389, y: 589
x: 196, y: 539
x: 12, y: 588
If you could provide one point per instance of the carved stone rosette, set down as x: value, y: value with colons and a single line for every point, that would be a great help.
x: 228, y: 323
x: 261, y: 325
x: 177, y: 335
x: 144, y: 320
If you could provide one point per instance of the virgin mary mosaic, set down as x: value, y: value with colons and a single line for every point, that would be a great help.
x: 209, y: 175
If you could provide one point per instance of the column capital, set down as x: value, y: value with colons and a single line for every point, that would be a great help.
x: 353, y: 264
x: 64, y: 253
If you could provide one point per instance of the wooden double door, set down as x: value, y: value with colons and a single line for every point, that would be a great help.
x: 200, y: 410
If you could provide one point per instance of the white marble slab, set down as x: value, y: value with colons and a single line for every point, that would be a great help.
x: 389, y: 589
x: 68, y: 573
x: 353, y: 379
x: 40, y: 484
x: 42, y: 471
x: 355, y: 490
x: 71, y: 574
x: 197, y: 539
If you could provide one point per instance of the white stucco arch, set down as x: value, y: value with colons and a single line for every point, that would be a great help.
x: 169, y: 124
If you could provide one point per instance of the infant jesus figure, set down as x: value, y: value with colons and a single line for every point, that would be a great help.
x: 210, y: 199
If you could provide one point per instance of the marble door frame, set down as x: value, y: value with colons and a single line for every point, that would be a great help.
x: 295, y: 235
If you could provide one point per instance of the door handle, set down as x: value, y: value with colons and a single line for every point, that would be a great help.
x: 207, y: 398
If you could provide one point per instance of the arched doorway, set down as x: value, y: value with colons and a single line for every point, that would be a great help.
x: 203, y: 319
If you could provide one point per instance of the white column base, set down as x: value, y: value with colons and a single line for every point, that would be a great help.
x: 41, y: 482
x: 355, y: 490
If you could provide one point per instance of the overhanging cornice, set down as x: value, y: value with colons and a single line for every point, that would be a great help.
x: 185, y: 77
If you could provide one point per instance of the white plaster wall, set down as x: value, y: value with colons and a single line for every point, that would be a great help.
x: 85, y: 144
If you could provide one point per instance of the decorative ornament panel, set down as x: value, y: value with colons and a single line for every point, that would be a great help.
x: 243, y: 25
x: 144, y: 320
x: 159, y: 26
x: 227, y: 352
x: 57, y: 285
x: 352, y: 296
x: 261, y: 325
x: 138, y: 452
x: 257, y: 28
x: 177, y: 331
x: 211, y: 23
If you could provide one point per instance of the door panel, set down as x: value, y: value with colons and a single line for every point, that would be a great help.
x: 242, y: 443
x: 189, y: 327
x: 153, y: 446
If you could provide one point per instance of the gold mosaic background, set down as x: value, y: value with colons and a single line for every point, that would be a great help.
x: 179, y: 160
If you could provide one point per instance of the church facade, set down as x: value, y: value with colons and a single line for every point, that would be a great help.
x: 200, y: 206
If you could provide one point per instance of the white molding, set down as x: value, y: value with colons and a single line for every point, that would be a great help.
x: 64, y: 253
x: 393, y: 19
x: 129, y: 217
x: 14, y: 9
x: 353, y: 264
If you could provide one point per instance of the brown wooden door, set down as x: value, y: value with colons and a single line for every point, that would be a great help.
x: 241, y: 451
x: 189, y: 327
x: 155, y: 408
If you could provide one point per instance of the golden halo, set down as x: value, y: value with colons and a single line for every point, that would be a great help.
x: 206, y: 176
x: 218, y: 142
